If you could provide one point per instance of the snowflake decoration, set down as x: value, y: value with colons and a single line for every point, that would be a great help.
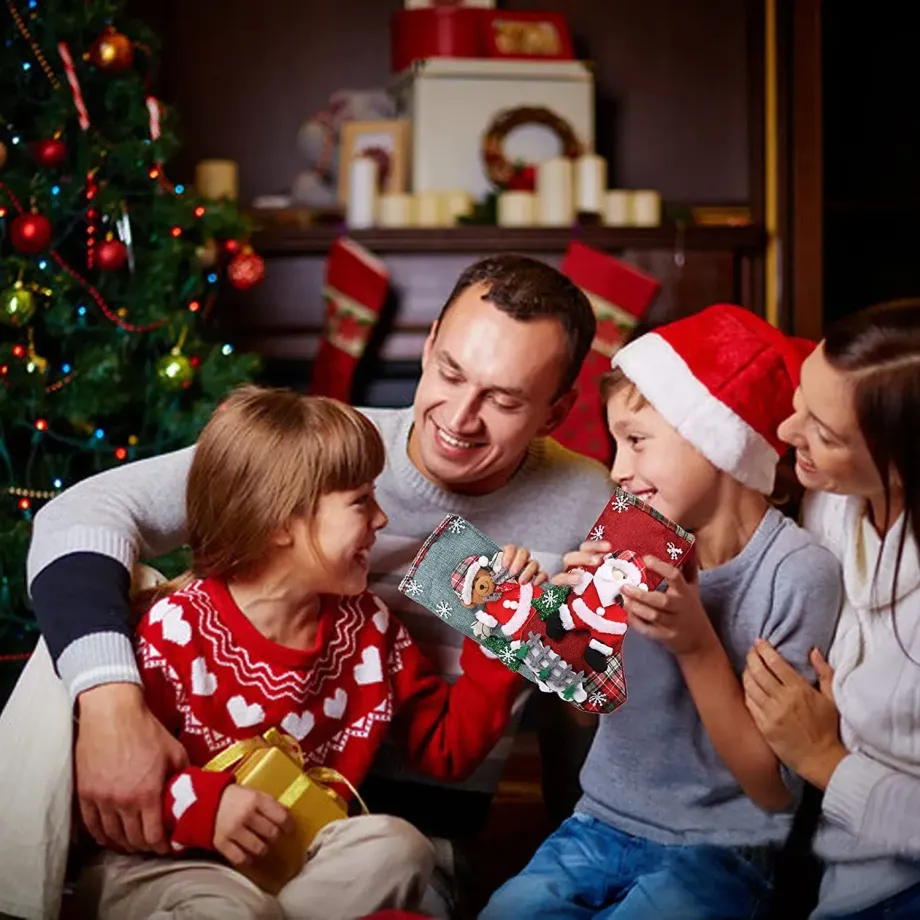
x: 554, y: 594
x: 443, y: 610
x: 507, y: 655
x: 673, y: 551
x: 413, y: 588
x: 457, y: 526
x: 620, y: 504
x: 597, y: 699
x: 598, y: 532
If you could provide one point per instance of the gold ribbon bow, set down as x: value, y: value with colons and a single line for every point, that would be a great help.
x: 239, y: 751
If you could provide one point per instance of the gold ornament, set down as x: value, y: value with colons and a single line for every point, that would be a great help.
x: 17, y: 305
x: 175, y: 370
x: 2, y: 154
x: 208, y: 253
x: 112, y: 51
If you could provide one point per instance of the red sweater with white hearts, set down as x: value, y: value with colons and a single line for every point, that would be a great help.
x: 212, y: 679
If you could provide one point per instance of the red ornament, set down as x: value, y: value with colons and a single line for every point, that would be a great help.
x: 523, y: 180
x: 246, y: 270
x: 112, y: 51
x: 231, y: 246
x: 30, y: 233
x: 111, y: 255
x: 50, y: 152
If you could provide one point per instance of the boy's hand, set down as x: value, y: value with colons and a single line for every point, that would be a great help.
x: 248, y: 823
x: 516, y: 559
x: 591, y: 553
x: 675, y: 618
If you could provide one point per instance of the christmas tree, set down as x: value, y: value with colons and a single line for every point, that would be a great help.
x: 109, y: 272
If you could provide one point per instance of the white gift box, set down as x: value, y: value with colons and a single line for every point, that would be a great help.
x: 451, y: 102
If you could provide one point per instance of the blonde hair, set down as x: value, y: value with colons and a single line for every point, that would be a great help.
x: 264, y: 457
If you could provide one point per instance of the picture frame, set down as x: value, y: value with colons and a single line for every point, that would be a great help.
x: 387, y: 140
x: 527, y: 36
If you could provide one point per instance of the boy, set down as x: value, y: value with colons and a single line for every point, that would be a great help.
x: 684, y: 806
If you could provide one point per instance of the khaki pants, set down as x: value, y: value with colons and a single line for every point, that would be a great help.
x: 354, y: 868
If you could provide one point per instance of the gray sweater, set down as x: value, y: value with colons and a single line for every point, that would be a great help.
x: 86, y: 540
x: 652, y: 771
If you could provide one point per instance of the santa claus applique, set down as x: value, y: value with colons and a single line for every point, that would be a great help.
x: 596, y: 604
x: 482, y: 582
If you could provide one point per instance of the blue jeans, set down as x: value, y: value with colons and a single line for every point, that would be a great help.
x: 587, y: 870
x: 903, y: 906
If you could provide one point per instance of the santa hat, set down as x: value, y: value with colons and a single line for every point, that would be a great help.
x: 462, y: 578
x: 724, y: 378
x: 629, y: 563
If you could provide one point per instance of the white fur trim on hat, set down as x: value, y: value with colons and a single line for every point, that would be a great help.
x: 471, y: 573
x: 716, y: 431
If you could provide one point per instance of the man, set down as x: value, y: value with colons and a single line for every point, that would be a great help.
x: 498, y: 370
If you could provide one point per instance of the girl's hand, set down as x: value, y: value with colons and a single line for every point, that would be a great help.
x: 591, y: 553
x: 675, y: 618
x: 516, y: 559
x: 248, y: 822
x: 801, y: 724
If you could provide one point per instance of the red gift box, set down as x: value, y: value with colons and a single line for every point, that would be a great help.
x: 436, y: 31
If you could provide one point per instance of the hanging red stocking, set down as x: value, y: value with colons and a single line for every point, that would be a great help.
x: 620, y: 295
x: 355, y: 291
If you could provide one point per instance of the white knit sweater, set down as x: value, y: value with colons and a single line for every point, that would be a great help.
x: 870, y: 833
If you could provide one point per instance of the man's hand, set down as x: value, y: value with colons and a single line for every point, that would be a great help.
x: 122, y: 759
x: 248, y: 823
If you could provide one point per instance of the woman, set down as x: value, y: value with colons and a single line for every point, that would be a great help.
x: 856, y: 431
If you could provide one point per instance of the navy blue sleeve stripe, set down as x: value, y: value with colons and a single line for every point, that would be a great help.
x: 80, y: 594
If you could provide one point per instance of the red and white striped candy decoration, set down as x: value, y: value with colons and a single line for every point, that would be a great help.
x: 70, y: 70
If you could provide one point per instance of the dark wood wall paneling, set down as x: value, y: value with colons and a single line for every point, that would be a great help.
x: 678, y: 88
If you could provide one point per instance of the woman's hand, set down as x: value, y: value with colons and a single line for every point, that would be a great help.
x: 516, y: 559
x: 675, y: 618
x: 801, y: 724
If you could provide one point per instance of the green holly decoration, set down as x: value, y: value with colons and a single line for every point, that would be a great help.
x: 550, y: 601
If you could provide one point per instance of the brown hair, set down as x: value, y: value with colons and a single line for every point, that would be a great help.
x: 266, y: 456
x: 526, y: 289
x: 880, y: 347
x: 615, y: 380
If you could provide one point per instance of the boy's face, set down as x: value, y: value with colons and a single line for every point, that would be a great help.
x: 656, y: 464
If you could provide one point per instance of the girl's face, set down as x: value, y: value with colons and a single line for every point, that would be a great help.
x: 830, y: 452
x: 345, y: 528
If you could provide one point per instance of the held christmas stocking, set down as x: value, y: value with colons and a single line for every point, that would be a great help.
x: 355, y: 291
x: 620, y: 295
x: 566, y: 642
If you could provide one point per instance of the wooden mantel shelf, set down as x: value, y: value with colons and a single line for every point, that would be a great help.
x: 294, y: 241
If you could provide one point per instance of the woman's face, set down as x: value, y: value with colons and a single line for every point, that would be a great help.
x: 830, y: 452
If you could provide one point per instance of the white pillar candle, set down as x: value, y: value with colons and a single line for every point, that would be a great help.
x: 457, y: 205
x: 590, y: 184
x: 362, y: 193
x: 517, y: 209
x: 618, y: 208
x: 429, y: 209
x: 395, y: 209
x: 554, y: 193
x: 217, y: 179
x: 646, y: 208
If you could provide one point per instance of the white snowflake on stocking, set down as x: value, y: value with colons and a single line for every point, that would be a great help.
x: 413, y: 588
x: 673, y: 551
x: 507, y: 655
x: 620, y: 504
x: 443, y: 610
x: 598, y: 532
x: 597, y: 698
x: 457, y: 526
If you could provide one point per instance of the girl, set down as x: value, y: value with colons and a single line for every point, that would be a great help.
x: 277, y: 629
x: 856, y: 431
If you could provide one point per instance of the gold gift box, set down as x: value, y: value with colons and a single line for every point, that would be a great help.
x: 273, y: 763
